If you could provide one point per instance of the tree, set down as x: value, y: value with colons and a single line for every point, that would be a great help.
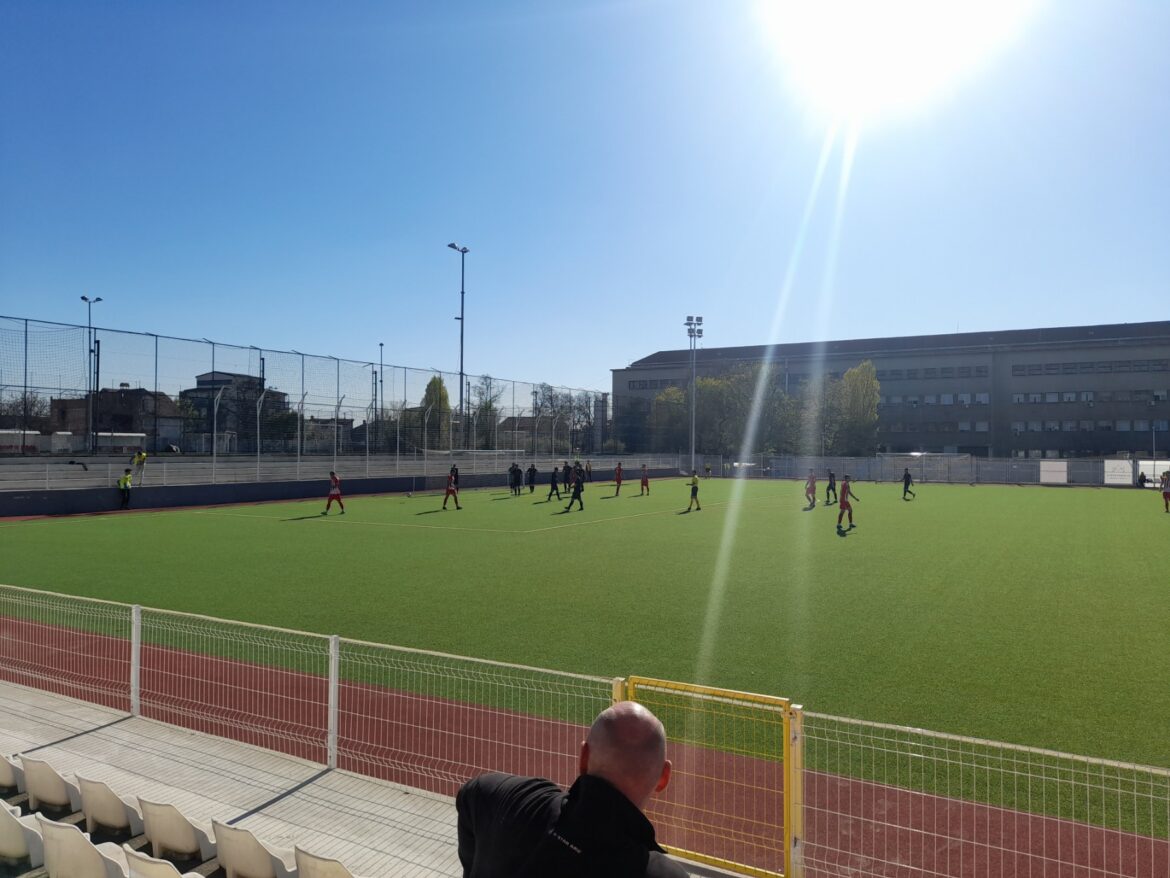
x: 486, y: 396
x: 857, y: 400
x: 438, y: 422
x: 669, y: 420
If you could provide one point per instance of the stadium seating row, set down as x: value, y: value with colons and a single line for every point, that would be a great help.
x: 64, y: 850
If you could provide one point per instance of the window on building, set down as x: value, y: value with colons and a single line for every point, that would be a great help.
x: 983, y: 398
x: 930, y: 399
x: 1052, y: 426
x: 1162, y: 426
x: 912, y: 400
x: 895, y: 374
x: 1035, y: 369
x: 1105, y: 396
x: 1068, y: 426
x: 1141, y: 366
x: 980, y: 371
x: 1068, y: 368
x: 1141, y: 426
x: 896, y: 400
x: 982, y: 426
x: 931, y: 426
x: 1018, y: 397
x: 1160, y: 395
x: 1122, y: 365
x: 881, y: 374
x: 930, y: 373
x: 946, y: 426
x: 1143, y: 396
x: 1068, y: 396
x: 1105, y: 426
x: 1086, y: 426
x: 964, y: 426
x: 964, y: 371
x: 1103, y: 367
x: 946, y: 398
x: 964, y: 399
x: 947, y: 371
x: 637, y: 385
x: 1086, y: 396
x: 1159, y: 365
x: 911, y: 373
x: 1123, y: 426
x: 1051, y: 396
x: 1019, y: 370
x: 1035, y: 397
x: 1017, y: 427
x: 1122, y: 396
x: 896, y: 428
x: 1085, y: 367
x: 1052, y: 368
x: 1034, y: 426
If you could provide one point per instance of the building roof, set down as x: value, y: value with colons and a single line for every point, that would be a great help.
x: 958, y: 341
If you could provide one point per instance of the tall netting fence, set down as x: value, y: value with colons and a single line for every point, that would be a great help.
x: 70, y: 390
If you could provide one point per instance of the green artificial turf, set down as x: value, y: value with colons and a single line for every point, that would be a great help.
x: 1035, y: 616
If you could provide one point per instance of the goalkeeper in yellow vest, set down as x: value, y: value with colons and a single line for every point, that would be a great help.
x: 124, y: 484
x: 693, y: 481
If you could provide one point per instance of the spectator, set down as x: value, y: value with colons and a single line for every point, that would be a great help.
x: 527, y: 826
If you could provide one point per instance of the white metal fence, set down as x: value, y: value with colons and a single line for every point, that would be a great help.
x: 858, y: 798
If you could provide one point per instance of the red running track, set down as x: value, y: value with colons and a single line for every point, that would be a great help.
x: 717, y: 804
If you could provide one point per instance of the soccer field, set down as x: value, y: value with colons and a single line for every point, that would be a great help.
x: 1036, y: 616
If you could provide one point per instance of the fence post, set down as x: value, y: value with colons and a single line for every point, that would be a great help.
x: 331, y: 734
x: 618, y: 685
x: 135, y: 660
x: 794, y: 793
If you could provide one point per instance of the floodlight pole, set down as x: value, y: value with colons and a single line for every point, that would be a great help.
x: 462, y: 251
x: 91, y: 389
x: 381, y: 394
x: 215, y: 430
x: 694, y: 327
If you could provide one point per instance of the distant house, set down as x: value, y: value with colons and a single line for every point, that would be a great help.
x: 125, y: 410
x: 241, y: 398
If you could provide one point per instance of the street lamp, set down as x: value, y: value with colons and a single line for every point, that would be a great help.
x: 694, y: 327
x: 90, y: 388
x: 462, y: 251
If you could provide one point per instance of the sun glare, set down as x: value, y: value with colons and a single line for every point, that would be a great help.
x: 862, y: 59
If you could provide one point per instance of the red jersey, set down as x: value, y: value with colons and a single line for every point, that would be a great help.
x: 617, y: 473
x: 811, y: 485
x: 334, y: 485
x: 451, y: 482
x: 845, y: 493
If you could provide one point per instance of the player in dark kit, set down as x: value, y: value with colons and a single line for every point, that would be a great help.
x: 617, y: 478
x: 907, y: 481
x: 645, y: 481
x: 452, y: 489
x: 831, y: 488
x: 567, y: 476
x: 845, y: 506
x: 552, y: 485
x: 530, y: 476
x: 578, y: 487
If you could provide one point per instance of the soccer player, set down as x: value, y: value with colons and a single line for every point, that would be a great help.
x: 578, y: 487
x: 693, y: 481
x: 845, y: 505
x: 334, y: 493
x: 139, y: 462
x: 455, y: 473
x: 645, y: 481
x: 589, y: 471
x: 810, y: 489
x: 1166, y: 490
x: 567, y: 476
x: 124, y: 484
x: 531, y: 478
x: 452, y: 490
x: 552, y: 486
x: 617, y: 478
x: 831, y: 487
x: 907, y: 481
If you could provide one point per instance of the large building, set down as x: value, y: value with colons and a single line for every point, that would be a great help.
x: 1076, y: 391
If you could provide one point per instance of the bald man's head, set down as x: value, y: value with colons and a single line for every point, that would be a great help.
x: 627, y: 747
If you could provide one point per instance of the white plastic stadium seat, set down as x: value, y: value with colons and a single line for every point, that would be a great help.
x: 312, y: 866
x: 11, y: 774
x: 242, y: 855
x: 105, y: 808
x: 20, y: 837
x: 142, y: 866
x: 171, y: 832
x: 69, y: 854
x: 46, y: 787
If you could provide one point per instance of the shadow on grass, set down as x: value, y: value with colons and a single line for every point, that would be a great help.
x: 429, y: 511
x: 305, y: 517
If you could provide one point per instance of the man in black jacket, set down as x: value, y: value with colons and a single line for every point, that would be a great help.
x: 527, y: 827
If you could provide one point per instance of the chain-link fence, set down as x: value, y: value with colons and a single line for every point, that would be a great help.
x: 70, y: 390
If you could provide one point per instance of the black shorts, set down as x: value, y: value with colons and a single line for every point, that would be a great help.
x: 694, y: 491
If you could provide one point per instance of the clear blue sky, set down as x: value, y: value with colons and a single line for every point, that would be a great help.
x: 288, y: 174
